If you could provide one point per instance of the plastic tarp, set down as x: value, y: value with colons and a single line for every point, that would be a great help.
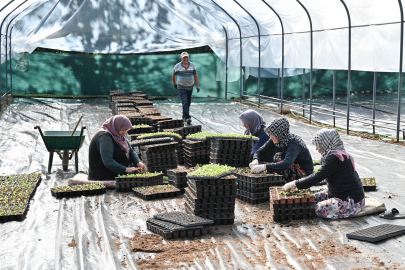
x: 102, y: 226
x: 126, y: 26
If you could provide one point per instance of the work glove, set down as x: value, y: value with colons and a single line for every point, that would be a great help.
x: 198, y: 89
x: 290, y: 186
x: 253, y: 163
x: 175, y: 86
x: 258, y: 168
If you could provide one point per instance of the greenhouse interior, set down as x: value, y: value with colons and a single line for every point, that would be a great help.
x: 202, y: 134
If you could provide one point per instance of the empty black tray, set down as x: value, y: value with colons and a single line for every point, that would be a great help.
x: 377, y: 233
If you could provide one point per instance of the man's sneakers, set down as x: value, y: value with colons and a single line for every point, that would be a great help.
x: 187, y: 120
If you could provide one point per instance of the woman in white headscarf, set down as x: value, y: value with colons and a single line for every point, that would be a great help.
x: 345, y: 194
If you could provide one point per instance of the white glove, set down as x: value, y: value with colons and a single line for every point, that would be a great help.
x: 290, y: 186
x: 258, y: 168
x: 253, y: 163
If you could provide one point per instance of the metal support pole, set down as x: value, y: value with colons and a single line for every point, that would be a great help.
x: 303, y: 92
x: 334, y: 98
x: 282, y: 56
x: 240, y: 39
x: 311, y: 61
x: 374, y: 98
x: 1, y: 99
x: 278, y: 83
x: 401, y: 54
x: 258, y: 31
x: 226, y: 64
x: 349, y: 70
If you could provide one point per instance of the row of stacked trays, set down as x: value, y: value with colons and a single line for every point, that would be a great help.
x: 127, y: 182
x: 159, y: 157
x: 254, y: 188
x: 178, y: 177
x: 178, y: 224
x: 196, y: 152
x: 211, y: 193
x: 299, y: 204
x: 114, y: 94
x: 231, y: 151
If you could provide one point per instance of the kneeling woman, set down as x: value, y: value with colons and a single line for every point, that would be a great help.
x: 110, y: 153
x: 292, y: 159
x: 345, y: 194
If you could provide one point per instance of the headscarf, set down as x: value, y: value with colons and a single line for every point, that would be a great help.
x: 328, y: 140
x: 253, y: 120
x: 113, y: 126
x: 280, y: 128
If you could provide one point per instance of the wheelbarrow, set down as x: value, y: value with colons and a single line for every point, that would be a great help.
x: 65, y: 144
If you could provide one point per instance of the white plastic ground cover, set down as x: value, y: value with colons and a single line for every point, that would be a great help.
x: 134, y: 26
x: 101, y: 225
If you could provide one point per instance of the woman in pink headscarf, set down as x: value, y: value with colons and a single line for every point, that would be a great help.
x: 110, y: 153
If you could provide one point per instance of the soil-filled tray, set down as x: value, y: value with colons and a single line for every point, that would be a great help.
x: 156, y: 192
x: 226, y: 181
x: 369, y: 184
x: 140, y: 177
x: 13, y: 212
x: 299, y: 197
x: 176, y: 234
x: 180, y: 172
x: 183, y: 219
x: 253, y: 201
x: 78, y: 190
x: 377, y: 233
x: 264, y: 177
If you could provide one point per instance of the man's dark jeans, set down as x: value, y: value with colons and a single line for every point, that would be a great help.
x: 186, y: 101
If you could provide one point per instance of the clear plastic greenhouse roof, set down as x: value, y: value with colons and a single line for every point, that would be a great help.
x: 129, y: 26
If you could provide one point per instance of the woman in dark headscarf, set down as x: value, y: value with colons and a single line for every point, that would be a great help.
x: 254, y: 124
x: 110, y: 153
x: 292, y: 159
x: 345, y: 194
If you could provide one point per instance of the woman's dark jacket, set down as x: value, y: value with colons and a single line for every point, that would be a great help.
x: 106, y: 158
x: 263, y: 138
x: 343, y: 180
x: 294, y: 153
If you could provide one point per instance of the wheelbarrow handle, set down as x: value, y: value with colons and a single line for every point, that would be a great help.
x: 43, y: 137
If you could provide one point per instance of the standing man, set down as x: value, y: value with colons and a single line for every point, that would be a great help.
x: 186, y: 78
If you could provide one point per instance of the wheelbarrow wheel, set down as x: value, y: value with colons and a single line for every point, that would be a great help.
x: 65, y: 160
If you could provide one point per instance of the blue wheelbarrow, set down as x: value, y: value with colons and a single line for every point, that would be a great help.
x: 65, y: 144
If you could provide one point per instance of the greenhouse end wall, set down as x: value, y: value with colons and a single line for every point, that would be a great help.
x: 86, y: 74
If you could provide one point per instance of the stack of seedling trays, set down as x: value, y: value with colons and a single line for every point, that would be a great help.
x: 291, y: 205
x: 177, y: 224
x: 129, y: 181
x: 78, y: 190
x: 211, y: 193
x: 156, y: 119
x: 138, y: 94
x: 137, y: 143
x: 369, y: 184
x: 178, y: 177
x: 169, y: 124
x: 231, y: 149
x: 185, y: 131
x: 196, y: 152
x: 156, y: 192
x: 149, y: 111
x: 254, y: 188
x: 116, y: 93
x: 16, y: 191
x: 140, y: 129
x: 142, y: 102
x: 159, y: 157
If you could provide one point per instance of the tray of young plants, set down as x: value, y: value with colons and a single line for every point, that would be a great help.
x: 175, y: 136
x: 140, y: 177
x: 200, y: 136
x: 245, y: 174
x: 15, y: 193
x: 211, y: 171
x: 140, y: 142
x: 78, y: 190
x: 156, y: 192
x: 297, y: 198
x: 140, y: 129
x: 234, y: 136
x: 369, y: 184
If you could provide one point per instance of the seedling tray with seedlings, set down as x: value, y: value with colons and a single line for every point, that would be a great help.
x: 78, y: 190
x: 156, y: 192
x: 188, y: 130
x: 15, y: 193
x: 166, y: 230
x: 183, y: 219
x: 369, y: 184
x: 245, y: 174
x: 292, y: 205
x: 212, y: 191
x: 151, y: 141
x: 128, y: 181
x: 211, y: 171
x: 175, y: 136
x: 140, y: 129
x: 377, y: 233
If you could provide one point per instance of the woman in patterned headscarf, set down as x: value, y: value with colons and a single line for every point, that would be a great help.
x: 292, y: 159
x: 345, y: 194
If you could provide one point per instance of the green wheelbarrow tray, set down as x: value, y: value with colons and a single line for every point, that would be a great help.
x: 64, y: 145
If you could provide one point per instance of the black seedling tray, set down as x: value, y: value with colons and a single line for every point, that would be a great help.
x: 183, y: 219
x: 221, y: 221
x: 178, y: 234
x: 210, y: 194
x: 207, y: 177
x: 253, y: 201
x: 15, y: 217
x: 370, y: 188
x: 156, y: 195
x: 228, y: 215
x: 254, y: 196
x: 151, y: 141
x: 160, y: 146
x: 210, y: 211
x: 207, y: 204
x: 207, y: 188
x: 254, y: 190
x: 171, y: 227
x: 250, y: 185
x: 283, y: 216
x: 213, y: 200
x: 377, y: 233
x: 71, y: 194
